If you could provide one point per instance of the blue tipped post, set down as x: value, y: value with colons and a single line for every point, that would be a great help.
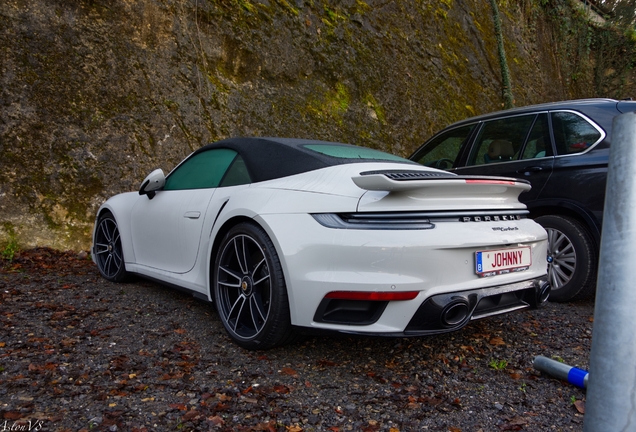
x: 574, y: 376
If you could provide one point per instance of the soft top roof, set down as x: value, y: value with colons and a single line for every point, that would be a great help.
x: 271, y: 158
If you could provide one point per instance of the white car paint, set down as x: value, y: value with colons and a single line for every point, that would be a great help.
x: 171, y: 237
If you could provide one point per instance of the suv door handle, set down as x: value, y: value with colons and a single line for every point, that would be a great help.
x: 529, y: 169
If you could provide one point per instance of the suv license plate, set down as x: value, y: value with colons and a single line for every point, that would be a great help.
x: 502, y: 261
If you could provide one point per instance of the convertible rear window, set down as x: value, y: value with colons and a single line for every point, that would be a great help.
x: 352, y: 152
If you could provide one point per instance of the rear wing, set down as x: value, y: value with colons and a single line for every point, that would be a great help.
x: 410, y: 180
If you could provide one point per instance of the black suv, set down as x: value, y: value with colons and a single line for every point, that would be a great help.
x: 562, y: 148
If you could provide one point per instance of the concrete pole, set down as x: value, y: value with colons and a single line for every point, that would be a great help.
x: 611, y: 392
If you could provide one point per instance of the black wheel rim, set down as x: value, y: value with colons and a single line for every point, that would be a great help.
x: 561, y: 258
x: 244, y: 287
x: 108, y: 249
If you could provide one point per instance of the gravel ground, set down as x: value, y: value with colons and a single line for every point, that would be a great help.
x: 80, y: 353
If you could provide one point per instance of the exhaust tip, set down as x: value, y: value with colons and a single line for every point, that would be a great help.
x: 544, y: 293
x: 455, y: 312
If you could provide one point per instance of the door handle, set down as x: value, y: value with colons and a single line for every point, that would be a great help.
x: 529, y: 169
x: 192, y: 215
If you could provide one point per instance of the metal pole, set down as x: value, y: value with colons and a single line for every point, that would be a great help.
x: 611, y: 392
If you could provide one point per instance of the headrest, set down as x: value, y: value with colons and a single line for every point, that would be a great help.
x: 500, y: 149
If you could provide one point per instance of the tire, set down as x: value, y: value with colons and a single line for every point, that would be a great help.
x: 108, y: 249
x: 572, y: 259
x: 249, y: 289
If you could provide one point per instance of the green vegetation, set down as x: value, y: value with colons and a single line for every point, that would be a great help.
x: 331, y: 105
x: 498, y: 365
x: 506, y: 89
x: 333, y: 16
x: 11, y: 247
x: 375, y: 106
x: 598, y: 58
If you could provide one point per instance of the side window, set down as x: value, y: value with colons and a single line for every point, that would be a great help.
x: 501, y: 140
x: 538, y: 144
x: 237, y: 174
x: 442, y: 151
x: 201, y: 171
x: 572, y: 133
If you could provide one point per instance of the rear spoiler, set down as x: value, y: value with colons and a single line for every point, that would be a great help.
x: 408, y: 180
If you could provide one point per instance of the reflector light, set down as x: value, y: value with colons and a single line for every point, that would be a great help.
x: 478, y: 181
x: 375, y: 296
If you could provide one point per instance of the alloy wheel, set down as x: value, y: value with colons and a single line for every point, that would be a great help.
x: 561, y: 258
x: 108, y: 250
x: 244, y: 286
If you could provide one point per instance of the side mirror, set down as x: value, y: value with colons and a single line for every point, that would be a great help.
x: 155, y: 181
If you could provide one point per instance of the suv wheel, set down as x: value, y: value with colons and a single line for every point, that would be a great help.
x: 571, y: 258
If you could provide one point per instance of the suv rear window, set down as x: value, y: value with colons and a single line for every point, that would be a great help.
x: 573, y: 133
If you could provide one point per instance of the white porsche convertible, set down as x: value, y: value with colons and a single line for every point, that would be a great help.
x: 286, y: 234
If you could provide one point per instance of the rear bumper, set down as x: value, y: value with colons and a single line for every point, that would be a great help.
x: 442, y: 313
x: 449, y: 312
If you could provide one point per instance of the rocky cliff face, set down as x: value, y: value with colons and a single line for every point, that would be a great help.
x: 95, y: 93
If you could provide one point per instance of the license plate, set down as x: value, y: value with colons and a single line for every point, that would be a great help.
x: 502, y: 261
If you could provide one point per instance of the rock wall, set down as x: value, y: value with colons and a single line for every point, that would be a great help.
x: 97, y: 93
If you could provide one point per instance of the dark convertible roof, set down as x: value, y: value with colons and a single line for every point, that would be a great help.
x: 272, y: 158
